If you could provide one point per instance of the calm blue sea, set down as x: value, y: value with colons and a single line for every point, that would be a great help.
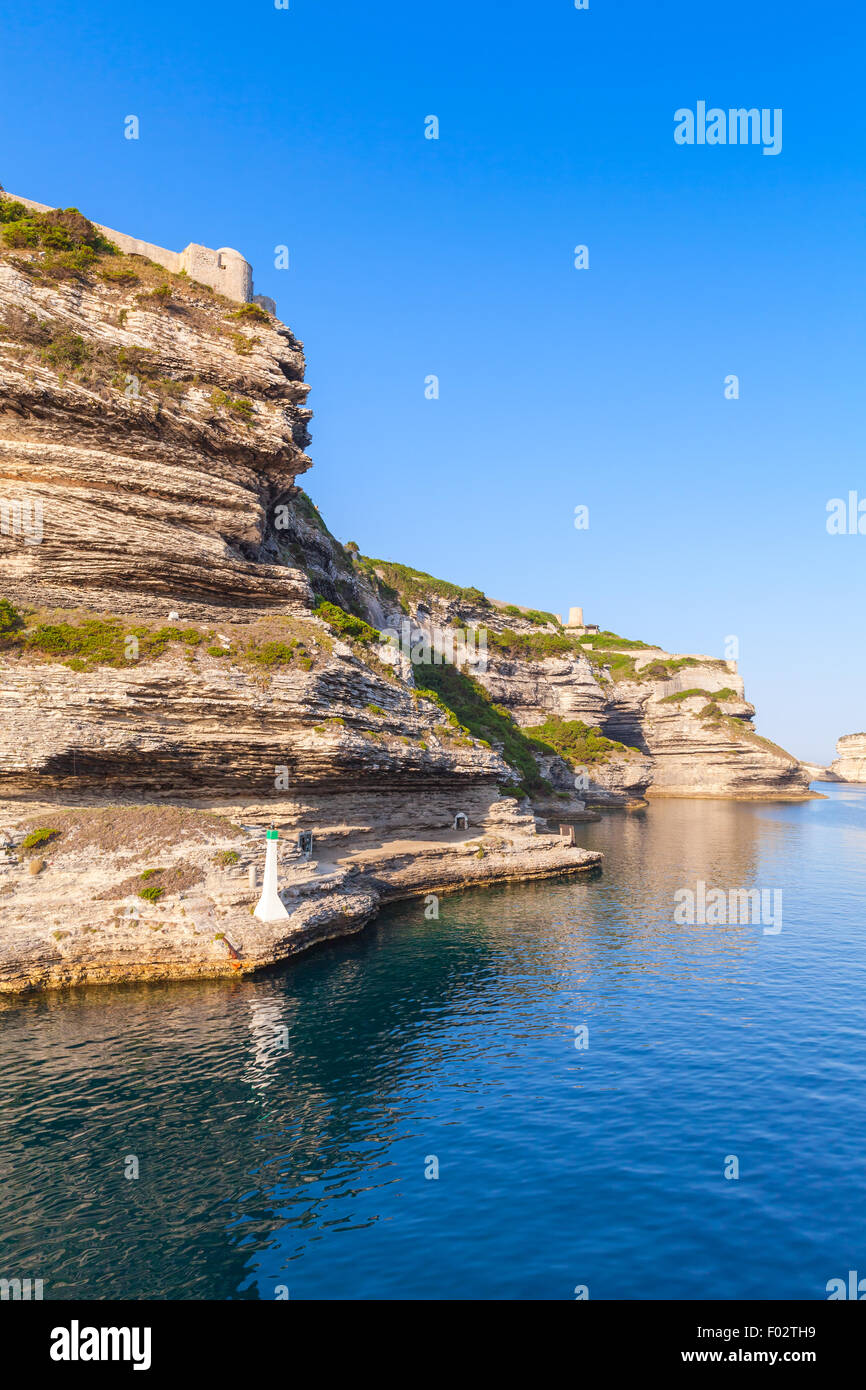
x: 283, y: 1129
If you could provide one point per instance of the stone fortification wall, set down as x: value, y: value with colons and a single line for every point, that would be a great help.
x: 224, y: 270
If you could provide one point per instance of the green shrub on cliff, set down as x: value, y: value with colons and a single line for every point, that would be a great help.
x: 469, y: 707
x: 620, y: 665
x: 538, y: 615
x: 678, y: 695
x: 62, y: 230
x: 39, y: 837
x: 310, y: 512
x: 623, y: 667
x: 103, y: 642
x: 119, y: 275
x: 345, y: 623
x: 82, y: 644
x: 19, y: 234
x: 160, y: 294
x: 66, y: 351
x: 740, y: 730
x: 663, y: 670
x: 532, y: 646
x: 11, y: 211
x: 574, y: 741
x: 237, y: 405
x: 69, y: 265
x: 135, y: 359
x: 250, y: 313
x: 536, y: 646
x: 531, y: 615
x: 272, y: 654
x: 92, y: 641
x: 609, y: 639
x: 11, y: 620
x: 415, y: 585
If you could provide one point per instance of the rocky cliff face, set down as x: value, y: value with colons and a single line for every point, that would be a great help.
x: 684, y: 720
x: 692, y: 744
x: 850, y: 765
x: 155, y: 433
x: 163, y: 647
x: 162, y: 641
x: 179, y: 629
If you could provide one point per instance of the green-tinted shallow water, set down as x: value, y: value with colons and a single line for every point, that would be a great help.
x: 265, y: 1167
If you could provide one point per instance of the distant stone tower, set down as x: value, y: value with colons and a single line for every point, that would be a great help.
x: 576, y: 624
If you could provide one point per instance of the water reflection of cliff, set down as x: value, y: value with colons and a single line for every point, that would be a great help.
x: 252, y: 1105
x: 195, y: 1081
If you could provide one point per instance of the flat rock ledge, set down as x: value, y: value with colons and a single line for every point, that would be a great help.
x: 70, y: 923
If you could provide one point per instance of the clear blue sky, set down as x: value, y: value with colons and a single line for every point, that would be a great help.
x: 305, y: 127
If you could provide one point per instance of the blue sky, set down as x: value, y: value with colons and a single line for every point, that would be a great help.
x: 558, y: 387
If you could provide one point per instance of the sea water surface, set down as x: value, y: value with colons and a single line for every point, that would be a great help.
x: 285, y: 1130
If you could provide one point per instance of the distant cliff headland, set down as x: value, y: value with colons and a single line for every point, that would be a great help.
x: 187, y: 654
x: 849, y: 764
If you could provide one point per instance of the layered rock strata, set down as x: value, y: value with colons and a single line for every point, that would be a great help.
x: 171, y: 660
x: 156, y: 464
x: 160, y: 656
x: 850, y: 762
x: 684, y: 719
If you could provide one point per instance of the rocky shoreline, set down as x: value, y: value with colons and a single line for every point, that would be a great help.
x: 68, y: 921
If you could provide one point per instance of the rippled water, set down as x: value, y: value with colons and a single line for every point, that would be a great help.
x: 265, y: 1166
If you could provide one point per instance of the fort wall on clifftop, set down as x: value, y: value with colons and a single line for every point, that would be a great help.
x: 224, y: 270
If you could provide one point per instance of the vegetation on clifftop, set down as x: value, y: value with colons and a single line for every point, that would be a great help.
x: 609, y: 640
x: 740, y: 731
x: 531, y: 615
x: 250, y: 313
x: 63, y: 245
x: 416, y: 586
x: 678, y: 695
x: 532, y: 646
x: 623, y: 667
x: 70, y: 243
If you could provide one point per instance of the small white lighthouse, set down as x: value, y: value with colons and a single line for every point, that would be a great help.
x: 269, y: 908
